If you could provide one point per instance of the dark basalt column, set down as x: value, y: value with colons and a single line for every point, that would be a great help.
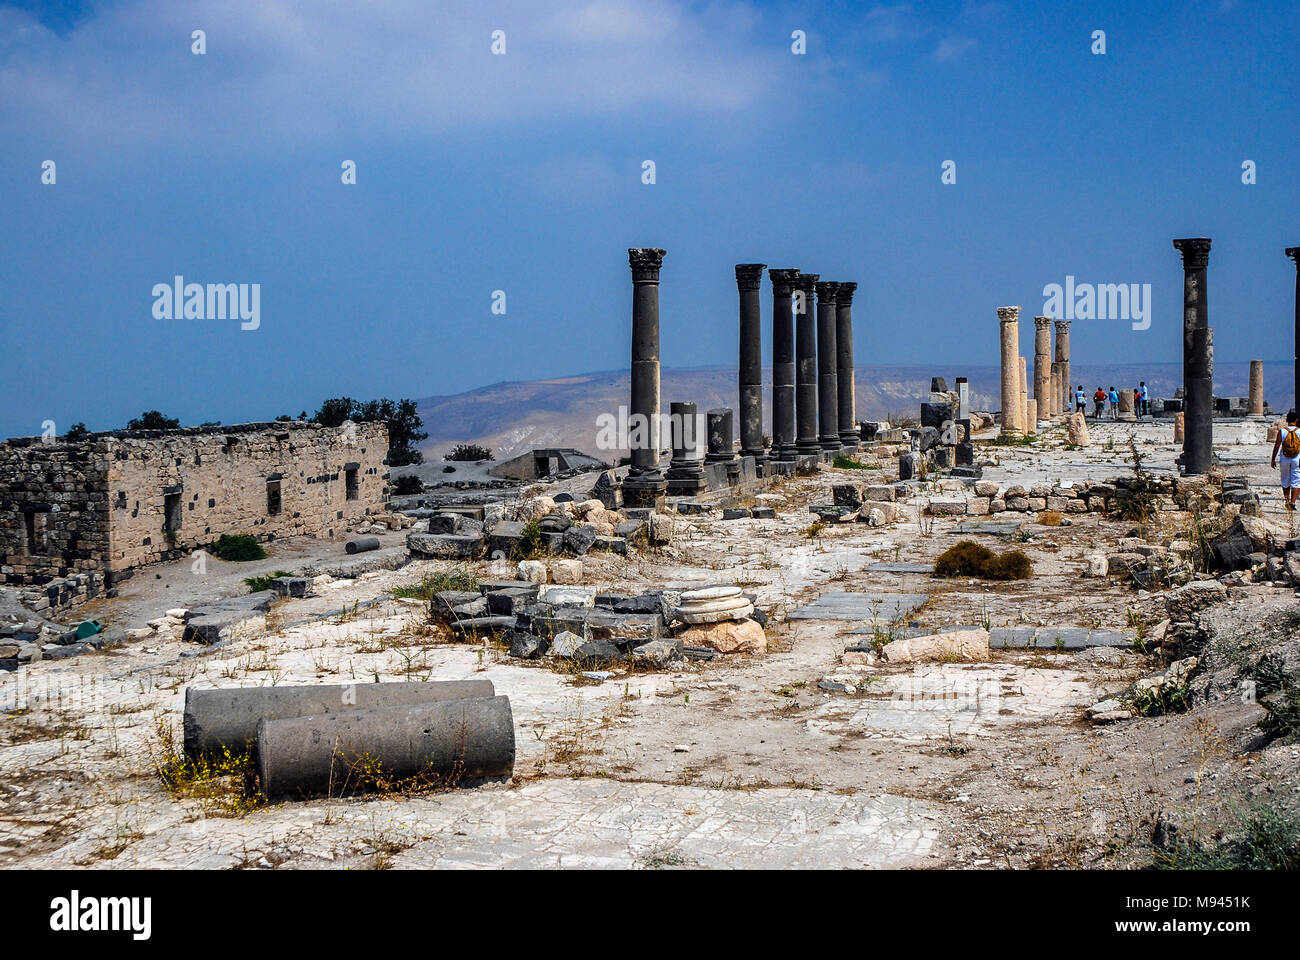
x: 450, y: 742
x: 645, y: 482
x: 686, y: 472
x: 783, y: 364
x: 1294, y: 254
x: 828, y: 410
x: 722, y: 444
x: 805, y: 346
x: 749, y: 278
x: 844, y: 387
x: 1198, y: 358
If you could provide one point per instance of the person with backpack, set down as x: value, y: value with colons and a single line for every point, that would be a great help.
x: 1288, y: 444
x: 1080, y: 401
x: 1138, y: 393
x: 1098, y: 403
x: 1114, y: 403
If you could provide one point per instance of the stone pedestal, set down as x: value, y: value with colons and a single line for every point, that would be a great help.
x: 1125, y: 406
x: 783, y: 364
x: 1031, y: 415
x: 1257, y: 388
x: 1009, y: 325
x: 749, y: 277
x: 828, y: 405
x: 686, y: 471
x: 805, y: 344
x: 1198, y: 357
x: 645, y: 483
x: 1063, y: 358
x: 1180, y: 427
x: 722, y: 436
x: 845, y: 392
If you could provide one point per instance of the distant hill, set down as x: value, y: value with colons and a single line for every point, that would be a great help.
x: 511, y: 418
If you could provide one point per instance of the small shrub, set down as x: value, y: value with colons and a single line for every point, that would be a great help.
x: 1282, y: 719
x: 971, y: 559
x: 1158, y: 701
x: 814, y: 529
x: 408, y: 485
x: 1137, y: 502
x: 469, y: 452
x: 1267, y: 838
x: 842, y: 462
x: 238, y: 547
x: 530, y: 542
x: 456, y: 578
x: 258, y: 584
x: 1012, y: 565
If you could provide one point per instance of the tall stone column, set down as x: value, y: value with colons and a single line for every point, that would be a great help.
x: 1063, y: 358
x: 805, y: 345
x: 645, y: 482
x: 1054, y: 399
x: 1009, y: 325
x: 828, y: 405
x: 1294, y: 254
x: 1043, y: 365
x: 749, y: 278
x: 783, y: 429
x: 1025, y: 423
x: 845, y: 388
x: 1198, y: 357
x: 1257, y: 388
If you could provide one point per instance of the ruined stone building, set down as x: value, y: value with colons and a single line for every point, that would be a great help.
x: 116, y: 501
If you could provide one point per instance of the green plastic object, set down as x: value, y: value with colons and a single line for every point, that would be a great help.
x: 88, y: 628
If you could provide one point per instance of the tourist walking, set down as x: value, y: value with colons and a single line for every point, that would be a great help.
x: 1098, y: 403
x: 1114, y: 403
x: 1288, y: 444
x: 1080, y: 401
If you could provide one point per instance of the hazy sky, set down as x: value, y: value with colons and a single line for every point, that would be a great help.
x: 522, y: 173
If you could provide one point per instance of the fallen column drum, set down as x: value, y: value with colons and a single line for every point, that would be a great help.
x: 229, y: 717
x: 453, y: 742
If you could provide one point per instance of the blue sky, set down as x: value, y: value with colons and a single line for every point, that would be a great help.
x: 522, y: 173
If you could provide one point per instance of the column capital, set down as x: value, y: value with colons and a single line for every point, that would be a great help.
x: 807, y: 282
x: 749, y: 276
x: 1062, y: 327
x: 844, y: 296
x: 783, y: 279
x: 1294, y: 254
x: 645, y: 262
x: 1009, y: 314
x: 1042, y: 323
x: 826, y: 291
x: 1195, y: 251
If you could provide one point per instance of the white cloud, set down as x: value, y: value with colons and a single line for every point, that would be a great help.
x: 279, y: 68
x: 950, y: 48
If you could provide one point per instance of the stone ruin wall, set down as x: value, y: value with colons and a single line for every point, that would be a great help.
x: 63, y: 487
x: 100, y: 505
x: 220, y: 477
